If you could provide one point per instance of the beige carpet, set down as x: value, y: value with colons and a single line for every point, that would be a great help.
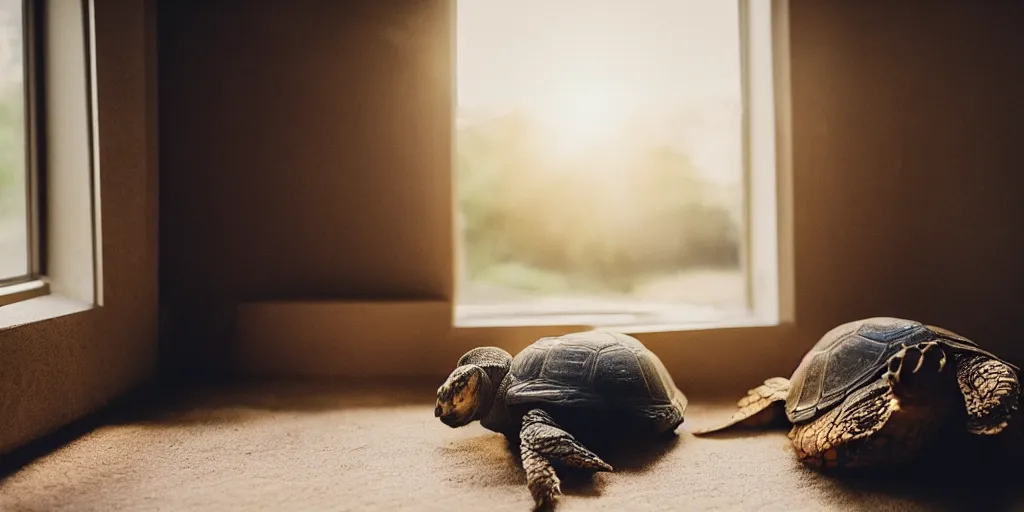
x: 313, y: 448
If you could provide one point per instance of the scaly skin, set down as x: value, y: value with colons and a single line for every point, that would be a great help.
x: 869, y: 429
x: 991, y: 393
x: 761, y: 407
x: 541, y: 479
x: 543, y: 442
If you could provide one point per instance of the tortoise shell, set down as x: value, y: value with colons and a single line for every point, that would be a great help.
x: 593, y: 369
x: 852, y: 355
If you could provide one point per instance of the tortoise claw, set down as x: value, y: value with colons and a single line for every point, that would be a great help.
x: 925, y: 349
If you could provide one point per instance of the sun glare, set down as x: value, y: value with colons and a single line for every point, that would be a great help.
x: 582, y: 116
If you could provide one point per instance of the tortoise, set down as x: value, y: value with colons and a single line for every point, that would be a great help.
x: 873, y: 392
x: 558, y: 391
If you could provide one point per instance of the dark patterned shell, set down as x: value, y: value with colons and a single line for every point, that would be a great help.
x: 852, y: 355
x: 591, y: 369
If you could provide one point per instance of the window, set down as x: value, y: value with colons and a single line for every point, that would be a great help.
x: 48, y: 198
x: 15, y: 226
x: 614, y: 163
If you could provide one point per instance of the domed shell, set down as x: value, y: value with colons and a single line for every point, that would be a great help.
x: 591, y: 369
x: 852, y: 355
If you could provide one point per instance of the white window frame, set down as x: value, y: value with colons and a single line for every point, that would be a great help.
x: 766, y: 251
x: 62, y: 162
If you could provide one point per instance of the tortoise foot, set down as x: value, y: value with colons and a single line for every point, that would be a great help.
x: 541, y: 479
x: 916, y: 370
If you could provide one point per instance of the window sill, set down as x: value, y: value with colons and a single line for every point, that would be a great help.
x: 17, y: 292
x: 34, y: 304
x: 628, y: 317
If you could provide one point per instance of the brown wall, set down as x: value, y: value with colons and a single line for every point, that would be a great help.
x: 907, y: 161
x: 306, y: 151
x: 305, y: 154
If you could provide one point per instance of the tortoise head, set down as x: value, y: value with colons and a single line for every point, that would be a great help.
x: 460, y: 397
x: 468, y: 393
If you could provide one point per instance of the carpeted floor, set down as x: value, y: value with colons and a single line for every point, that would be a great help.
x: 313, y: 447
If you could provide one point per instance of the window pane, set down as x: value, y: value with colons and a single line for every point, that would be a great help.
x: 14, y: 240
x: 600, y: 159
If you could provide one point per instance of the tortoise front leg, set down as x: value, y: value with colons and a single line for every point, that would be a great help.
x: 540, y: 476
x: 991, y: 393
x: 543, y: 442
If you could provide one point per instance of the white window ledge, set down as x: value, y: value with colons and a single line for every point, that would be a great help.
x: 630, y: 316
x: 39, y: 308
x: 17, y: 292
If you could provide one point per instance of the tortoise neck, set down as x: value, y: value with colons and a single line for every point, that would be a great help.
x: 495, y: 363
x: 493, y: 414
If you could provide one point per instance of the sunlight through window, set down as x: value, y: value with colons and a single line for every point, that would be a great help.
x: 14, y: 220
x: 600, y: 162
